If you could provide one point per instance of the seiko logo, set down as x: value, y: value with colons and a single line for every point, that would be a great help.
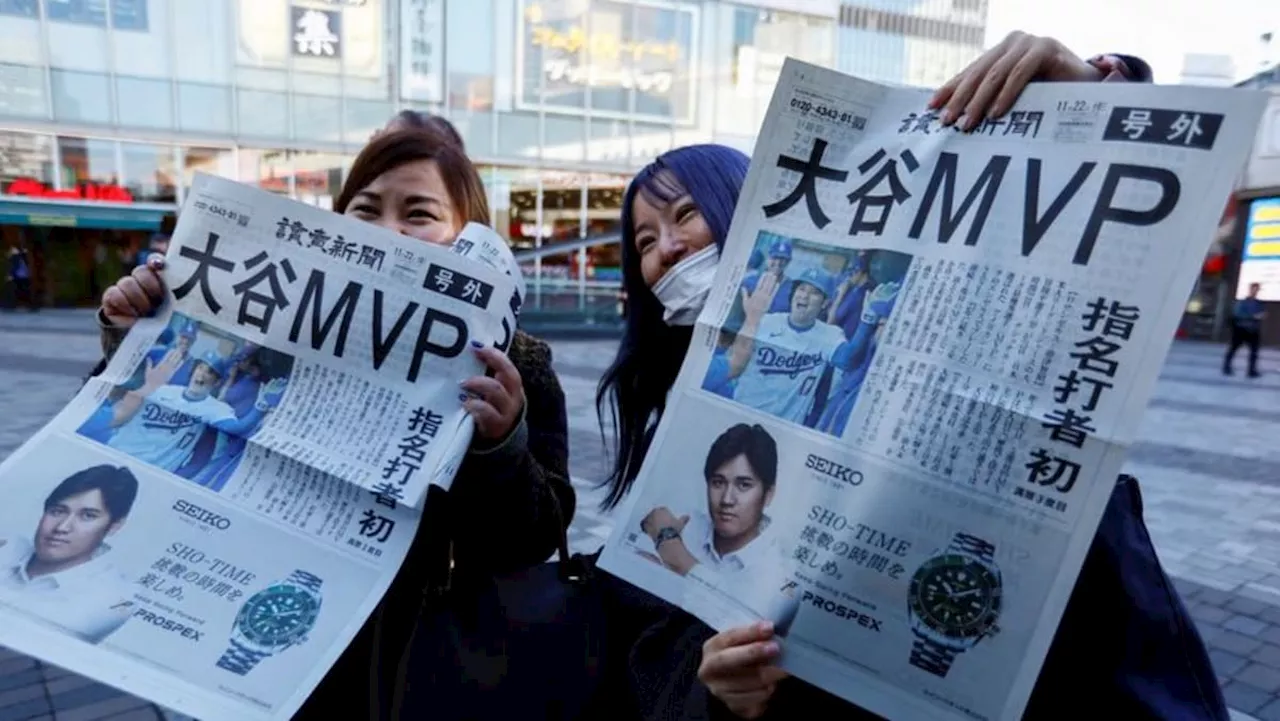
x: 208, y: 518
x: 830, y: 468
x: 839, y: 610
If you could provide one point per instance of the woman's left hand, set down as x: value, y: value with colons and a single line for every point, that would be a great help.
x: 991, y: 84
x: 495, y: 402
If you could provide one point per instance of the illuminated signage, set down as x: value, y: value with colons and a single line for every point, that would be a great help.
x: 32, y: 188
x: 317, y: 32
x: 1260, y: 262
x: 620, y: 59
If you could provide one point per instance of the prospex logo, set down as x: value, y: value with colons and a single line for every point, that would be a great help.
x: 202, y: 516
x: 839, y: 610
x: 789, y: 589
x: 827, y: 467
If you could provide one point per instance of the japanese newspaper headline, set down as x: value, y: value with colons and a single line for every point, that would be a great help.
x: 924, y: 356
x: 298, y: 391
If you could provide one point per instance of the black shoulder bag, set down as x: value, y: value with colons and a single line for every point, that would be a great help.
x: 528, y: 645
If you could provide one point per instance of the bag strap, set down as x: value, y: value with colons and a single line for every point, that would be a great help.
x: 573, y: 569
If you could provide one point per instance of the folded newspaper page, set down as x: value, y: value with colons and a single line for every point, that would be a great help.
x: 209, y: 522
x: 912, y: 387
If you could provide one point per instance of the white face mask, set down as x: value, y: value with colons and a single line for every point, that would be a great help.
x: 684, y: 289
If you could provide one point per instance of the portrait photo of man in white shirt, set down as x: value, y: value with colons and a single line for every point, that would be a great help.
x: 64, y: 573
x: 734, y: 532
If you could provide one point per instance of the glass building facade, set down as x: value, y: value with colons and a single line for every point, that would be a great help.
x: 109, y: 107
x: 920, y: 43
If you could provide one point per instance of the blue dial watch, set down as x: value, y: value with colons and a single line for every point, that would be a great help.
x: 272, y: 620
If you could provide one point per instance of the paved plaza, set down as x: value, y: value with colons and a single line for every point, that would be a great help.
x: 1207, y: 455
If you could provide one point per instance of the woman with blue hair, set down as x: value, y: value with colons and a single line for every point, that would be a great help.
x: 1126, y: 645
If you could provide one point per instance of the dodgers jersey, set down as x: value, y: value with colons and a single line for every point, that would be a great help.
x: 786, y: 364
x: 165, y: 430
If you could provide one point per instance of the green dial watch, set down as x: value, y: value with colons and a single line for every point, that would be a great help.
x: 272, y: 620
x: 953, y: 602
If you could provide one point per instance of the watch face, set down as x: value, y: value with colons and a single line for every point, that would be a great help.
x: 278, y: 615
x: 955, y: 596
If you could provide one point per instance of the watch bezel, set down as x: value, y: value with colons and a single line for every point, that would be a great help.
x: 288, y: 638
x: 979, y: 626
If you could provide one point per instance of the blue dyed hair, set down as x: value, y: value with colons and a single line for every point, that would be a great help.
x: 634, y: 388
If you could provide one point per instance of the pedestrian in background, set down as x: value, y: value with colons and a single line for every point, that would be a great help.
x: 20, y: 278
x: 1246, y: 329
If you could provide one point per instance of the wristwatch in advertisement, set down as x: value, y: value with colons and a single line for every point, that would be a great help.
x: 273, y: 619
x: 666, y: 533
x: 953, y: 602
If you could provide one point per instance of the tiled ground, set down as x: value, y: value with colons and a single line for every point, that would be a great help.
x: 1208, y: 456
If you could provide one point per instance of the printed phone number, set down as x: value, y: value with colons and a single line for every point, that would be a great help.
x: 827, y: 112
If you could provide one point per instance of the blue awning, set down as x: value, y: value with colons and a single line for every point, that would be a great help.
x: 113, y: 216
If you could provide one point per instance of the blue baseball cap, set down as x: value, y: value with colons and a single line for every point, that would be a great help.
x: 216, y: 362
x: 818, y: 279
x: 187, y: 330
x: 780, y: 248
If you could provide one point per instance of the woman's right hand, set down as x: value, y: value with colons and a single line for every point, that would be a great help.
x: 136, y: 295
x: 737, y: 667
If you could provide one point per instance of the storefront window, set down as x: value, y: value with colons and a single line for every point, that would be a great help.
x: 87, y: 161
x: 604, y: 219
x: 25, y: 157
x: 267, y: 169
x: 317, y: 178
x: 149, y: 172
x: 212, y: 161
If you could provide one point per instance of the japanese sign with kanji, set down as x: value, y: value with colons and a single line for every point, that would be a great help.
x: 910, y: 392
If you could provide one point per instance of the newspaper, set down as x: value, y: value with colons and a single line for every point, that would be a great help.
x: 910, y: 392
x: 209, y: 522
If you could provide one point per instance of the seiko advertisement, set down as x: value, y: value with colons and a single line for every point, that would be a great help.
x: 107, y: 552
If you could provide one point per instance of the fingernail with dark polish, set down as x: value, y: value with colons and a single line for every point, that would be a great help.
x: 463, y: 397
x: 477, y: 344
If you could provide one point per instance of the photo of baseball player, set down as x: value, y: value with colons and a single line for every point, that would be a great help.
x: 806, y: 362
x: 63, y: 572
x: 195, y: 407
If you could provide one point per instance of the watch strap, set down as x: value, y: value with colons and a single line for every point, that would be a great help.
x: 240, y: 659
x: 929, y: 655
x: 973, y: 546
x: 308, y: 581
x: 666, y: 533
